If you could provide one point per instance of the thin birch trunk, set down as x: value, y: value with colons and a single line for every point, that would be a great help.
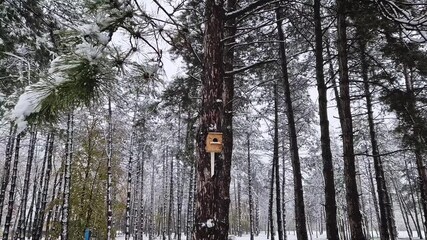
x: 171, y: 199
x: 151, y: 232
x: 251, y: 215
x: 129, y: 187
x: 109, y: 171
x: 67, y: 178
x: 141, y: 200
x: 285, y: 236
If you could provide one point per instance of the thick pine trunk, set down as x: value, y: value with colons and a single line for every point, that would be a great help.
x: 352, y: 196
x: 300, y: 220
x: 213, y: 196
x: 11, y: 202
x: 32, y: 145
x: 325, y: 141
x: 67, y: 178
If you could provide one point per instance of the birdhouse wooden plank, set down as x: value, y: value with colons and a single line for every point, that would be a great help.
x: 214, y: 142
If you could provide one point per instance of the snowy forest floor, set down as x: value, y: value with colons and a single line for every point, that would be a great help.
x: 291, y: 236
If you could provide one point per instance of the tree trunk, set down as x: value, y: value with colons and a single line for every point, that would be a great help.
x: 270, y: 204
x: 141, y: 200
x: 129, y: 187
x: 276, y: 163
x: 45, y: 187
x: 67, y: 177
x: 374, y: 196
x: 32, y: 145
x: 251, y: 214
x: 6, y: 170
x: 51, y: 209
x: 213, y: 196
x: 164, y: 192
x: 385, y: 233
x: 301, y: 227
x: 325, y: 141
x: 171, y: 199
x: 38, y: 203
x: 352, y: 196
x: 419, y: 144
x: 109, y: 171
x: 151, y: 231
x: 12, y: 189
x: 285, y: 236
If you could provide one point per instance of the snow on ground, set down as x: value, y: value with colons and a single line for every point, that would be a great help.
x: 291, y: 236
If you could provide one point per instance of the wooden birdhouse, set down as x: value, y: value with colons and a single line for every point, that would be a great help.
x: 214, y: 142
